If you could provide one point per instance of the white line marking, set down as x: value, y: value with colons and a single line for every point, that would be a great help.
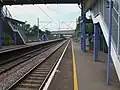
x: 53, y: 73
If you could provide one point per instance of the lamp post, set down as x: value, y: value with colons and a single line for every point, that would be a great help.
x: 38, y: 27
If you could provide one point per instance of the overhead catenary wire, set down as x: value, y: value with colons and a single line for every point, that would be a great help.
x: 68, y: 25
x: 64, y: 22
x: 44, y: 12
x: 50, y: 17
x: 47, y: 14
x: 46, y: 25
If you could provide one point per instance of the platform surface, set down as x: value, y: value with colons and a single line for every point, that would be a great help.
x: 92, y: 75
x: 63, y: 79
x: 10, y: 48
x: 15, y: 47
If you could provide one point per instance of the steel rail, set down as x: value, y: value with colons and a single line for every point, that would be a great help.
x: 41, y: 61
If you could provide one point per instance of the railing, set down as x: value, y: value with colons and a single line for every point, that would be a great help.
x: 103, y: 13
x: 19, y: 30
x: 116, y: 17
x: 16, y: 28
x: 6, y: 12
x: 101, y: 7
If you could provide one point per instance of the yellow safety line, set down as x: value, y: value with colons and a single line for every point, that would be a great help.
x: 74, y: 70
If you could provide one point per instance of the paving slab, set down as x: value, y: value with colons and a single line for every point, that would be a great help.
x: 92, y: 75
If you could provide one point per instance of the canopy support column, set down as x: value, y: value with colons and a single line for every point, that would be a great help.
x: 96, y: 41
x: 109, y: 41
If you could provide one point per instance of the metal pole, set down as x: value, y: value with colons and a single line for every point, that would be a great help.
x: 84, y: 32
x: 103, y: 45
x: 80, y: 22
x: 59, y: 28
x: 0, y: 33
x: 81, y: 37
x: 59, y: 25
x: 38, y: 27
x: 96, y: 41
x: 4, y: 36
x: 14, y: 38
x: 83, y: 27
x: 1, y: 26
x: 109, y: 41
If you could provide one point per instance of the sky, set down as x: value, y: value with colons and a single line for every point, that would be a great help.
x: 52, y: 17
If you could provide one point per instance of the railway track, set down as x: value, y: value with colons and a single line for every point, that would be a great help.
x: 36, y: 78
x: 11, y: 63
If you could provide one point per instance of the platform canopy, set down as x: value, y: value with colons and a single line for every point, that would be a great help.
x: 21, y: 2
x: 15, y: 2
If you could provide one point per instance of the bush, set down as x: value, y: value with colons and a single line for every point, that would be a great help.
x: 8, y: 40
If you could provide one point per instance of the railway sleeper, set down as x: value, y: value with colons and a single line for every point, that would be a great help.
x: 37, y: 75
x: 36, y: 78
x: 41, y: 75
x: 43, y: 68
x: 29, y: 86
x: 40, y: 72
x: 32, y: 81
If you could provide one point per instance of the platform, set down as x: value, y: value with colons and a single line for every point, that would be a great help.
x: 90, y: 75
x: 15, y: 47
x: 63, y: 79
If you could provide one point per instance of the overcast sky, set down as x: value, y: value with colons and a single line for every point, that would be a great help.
x: 50, y: 16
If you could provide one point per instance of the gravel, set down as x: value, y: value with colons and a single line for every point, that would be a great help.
x: 11, y: 76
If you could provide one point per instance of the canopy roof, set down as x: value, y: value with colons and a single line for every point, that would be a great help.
x: 18, y: 2
x: 88, y: 4
x: 21, y: 2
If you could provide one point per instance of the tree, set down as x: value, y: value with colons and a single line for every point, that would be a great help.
x: 27, y: 29
x: 27, y: 26
x: 35, y: 30
x: 77, y: 30
x: 47, y: 32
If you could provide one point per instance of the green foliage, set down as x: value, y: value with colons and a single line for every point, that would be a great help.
x: 27, y: 29
x: 89, y: 28
x: 8, y: 40
x: 78, y: 24
x: 47, y: 32
x: 77, y: 27
x: 89, y: 31
x: 27, y: 26
x: 33, y: 31
x: 77, y: 30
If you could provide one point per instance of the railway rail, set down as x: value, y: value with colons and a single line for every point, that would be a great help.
x: 11, y: 63
x: 37, y: 76
x: 15, y: 52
